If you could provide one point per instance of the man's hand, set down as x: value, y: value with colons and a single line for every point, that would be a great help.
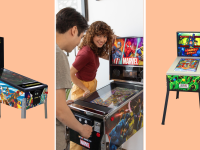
x: 86, y: 131
x: 69, y: 101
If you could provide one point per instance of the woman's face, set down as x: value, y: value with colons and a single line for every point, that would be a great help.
x: 100, y: 40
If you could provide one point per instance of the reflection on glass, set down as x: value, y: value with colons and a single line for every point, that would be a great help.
x: 114, y: 97
x: 14, y: 78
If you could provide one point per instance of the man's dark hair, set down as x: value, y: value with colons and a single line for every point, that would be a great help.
x: 68, y: 17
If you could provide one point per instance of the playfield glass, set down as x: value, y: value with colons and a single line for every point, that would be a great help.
x: 187, y: 65
x: 188, y: 44
x: 114, y: 97
x: 128, y: 51
x: 14, y: 78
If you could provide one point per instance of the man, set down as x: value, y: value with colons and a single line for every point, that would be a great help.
x: 70, y: 26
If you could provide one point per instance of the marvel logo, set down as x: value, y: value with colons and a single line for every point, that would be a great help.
x: 183, y: 86
x: 130, y: 61
x: 86, y: 144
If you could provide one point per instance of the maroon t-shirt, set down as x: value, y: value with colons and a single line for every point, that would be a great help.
x: 86, y: 63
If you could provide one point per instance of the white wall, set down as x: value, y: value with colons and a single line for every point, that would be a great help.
x: 126, y: 19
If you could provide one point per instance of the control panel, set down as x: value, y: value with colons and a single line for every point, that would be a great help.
x: 95, y: 139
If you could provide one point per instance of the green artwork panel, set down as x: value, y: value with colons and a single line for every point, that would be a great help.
x: 183, y: 83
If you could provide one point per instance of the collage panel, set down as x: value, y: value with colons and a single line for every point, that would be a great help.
x: 172, y: 76
x: 27, y: 94
x: 104, y: 76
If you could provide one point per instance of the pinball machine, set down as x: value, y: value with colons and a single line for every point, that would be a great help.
x: 184, y: 73
x: 19, y: 91
x: 115, y: 111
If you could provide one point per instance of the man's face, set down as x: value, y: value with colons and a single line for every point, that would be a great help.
x: 75, y: 40
x: 72, y: 38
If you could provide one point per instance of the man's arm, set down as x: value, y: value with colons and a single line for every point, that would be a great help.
x: 64, y: 115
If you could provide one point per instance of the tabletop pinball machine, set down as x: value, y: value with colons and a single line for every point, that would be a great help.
x: 184, y: 73
x: 19, y: 91
x: 116, y: 110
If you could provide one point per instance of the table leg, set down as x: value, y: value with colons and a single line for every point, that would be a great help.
x: 23, y: 111
x: 177, y: 94
x: 166, y: 102
x: 45, y: 107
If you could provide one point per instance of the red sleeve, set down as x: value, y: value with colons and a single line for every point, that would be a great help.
x: 82, y: 58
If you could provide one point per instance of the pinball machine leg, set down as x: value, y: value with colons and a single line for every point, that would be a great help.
x: 45, y: 108
x: 23, y: 111
x: 177, y: 94
x: 166, y: 102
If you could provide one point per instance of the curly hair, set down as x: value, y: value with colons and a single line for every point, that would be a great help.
x: 98, y: 28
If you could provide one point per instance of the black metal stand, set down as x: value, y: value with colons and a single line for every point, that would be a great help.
x: 177, y: 94
x: 166, y: 102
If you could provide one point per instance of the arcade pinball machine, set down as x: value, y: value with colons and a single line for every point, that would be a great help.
x: 115, y: 111
x: 184, y: 73
x: 19, y: 91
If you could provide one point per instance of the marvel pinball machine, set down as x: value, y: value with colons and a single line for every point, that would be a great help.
x: 115, y: 111
x: 19, y: 91
x: 184, y: 73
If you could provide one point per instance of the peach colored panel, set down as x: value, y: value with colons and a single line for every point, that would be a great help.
x: 28, y: 30
x: 181, y: 130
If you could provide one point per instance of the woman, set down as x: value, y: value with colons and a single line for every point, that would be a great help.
x: 96, y: 43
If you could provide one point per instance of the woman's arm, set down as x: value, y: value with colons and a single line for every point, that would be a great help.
x: 76, y: 81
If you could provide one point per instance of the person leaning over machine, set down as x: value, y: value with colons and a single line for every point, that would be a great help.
x: 96, y: 43
x: 70, y: 26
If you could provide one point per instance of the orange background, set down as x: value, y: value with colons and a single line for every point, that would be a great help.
x: 28, y: 31
x: 182, y: 125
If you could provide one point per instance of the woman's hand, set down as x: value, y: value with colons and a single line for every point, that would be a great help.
x: 69, y: 101
x: 86, y: 92
x: 114, y: 38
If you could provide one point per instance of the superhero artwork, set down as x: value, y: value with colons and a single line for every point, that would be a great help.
x: 10, y: 95
x: 128, y: 51
x: 30, y: 96
x: 14, y: 97
x: 114, y: 97
x: 125, y: 122
x: 187, y: 65
x: 183, y: 83
x: 189, y: 44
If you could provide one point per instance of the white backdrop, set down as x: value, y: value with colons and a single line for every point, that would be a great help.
x: 126, y: 19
